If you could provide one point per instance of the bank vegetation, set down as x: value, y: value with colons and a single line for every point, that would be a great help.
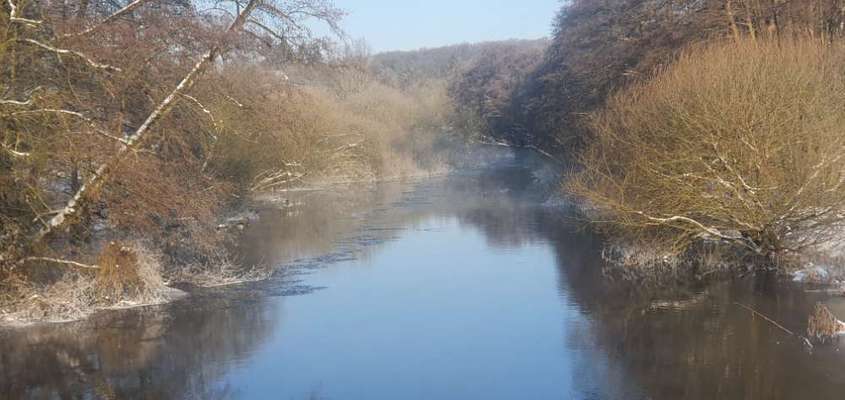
x: 698, y: 135
x: 128, y: 131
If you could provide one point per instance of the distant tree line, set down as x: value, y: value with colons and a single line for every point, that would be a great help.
x: 684, y: 122
x: 601, y: 46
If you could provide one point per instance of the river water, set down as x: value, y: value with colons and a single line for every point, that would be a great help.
x: 468, y: 287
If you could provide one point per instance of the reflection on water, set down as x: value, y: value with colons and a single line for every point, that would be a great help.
x: 457, y: 288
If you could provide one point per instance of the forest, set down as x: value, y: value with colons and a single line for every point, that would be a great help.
x: 130, y: 131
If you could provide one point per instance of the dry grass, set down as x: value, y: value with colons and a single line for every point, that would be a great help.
x: 71, y: 298
x: 129, y: 275
x: 822, y: 325
x: 735, y: 142
x: 220, y: 270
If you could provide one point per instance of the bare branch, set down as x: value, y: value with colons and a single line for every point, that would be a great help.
x: 76, y: 114
x: 111, y: 18
x: 14, y: 152
x: 98, y: 178
x: 15, y: 15
x: 85, y: 58
x: 62, y: 262
x: 206, y: 111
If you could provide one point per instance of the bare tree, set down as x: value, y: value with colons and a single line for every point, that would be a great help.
x: 43, y: 96
x: 737, y: 143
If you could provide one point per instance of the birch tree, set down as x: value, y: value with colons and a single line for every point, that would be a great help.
x: 81, y: 77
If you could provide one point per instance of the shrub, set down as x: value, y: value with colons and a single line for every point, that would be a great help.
x: 738, y: 142
x: 822, y: 325
x: 127, y: 274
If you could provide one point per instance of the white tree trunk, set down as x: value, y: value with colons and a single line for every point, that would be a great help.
x: 88, y: 191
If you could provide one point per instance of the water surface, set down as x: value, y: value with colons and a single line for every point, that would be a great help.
x: 470, y: 287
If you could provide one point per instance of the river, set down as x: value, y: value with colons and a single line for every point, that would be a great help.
x: 473, y: 286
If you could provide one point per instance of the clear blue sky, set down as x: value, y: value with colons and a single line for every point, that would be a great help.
x: 411, y: 24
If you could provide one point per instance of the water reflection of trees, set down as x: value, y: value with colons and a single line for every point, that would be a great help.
x: 704, y: 348
x: 175, y: 351
x: 686, y: 341
x: 697, y: 344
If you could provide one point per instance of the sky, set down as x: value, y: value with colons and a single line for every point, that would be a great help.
x: 412, y: 24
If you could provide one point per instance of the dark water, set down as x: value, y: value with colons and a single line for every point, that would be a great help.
x: 459, y: 288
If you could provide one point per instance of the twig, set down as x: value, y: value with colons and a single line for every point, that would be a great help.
x: 119, y: 13
x: 206, y: 111
x: 15, y: 15
x: 73, y: 53
x: 15, y: 152
x: 803, y: 339
x: 63, y: 262
x: 753, y: 311
x: 76, y: 114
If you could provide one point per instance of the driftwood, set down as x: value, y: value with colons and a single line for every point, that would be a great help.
x: 803, y: 339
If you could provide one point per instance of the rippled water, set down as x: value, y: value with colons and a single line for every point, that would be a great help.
x: 460, y: 288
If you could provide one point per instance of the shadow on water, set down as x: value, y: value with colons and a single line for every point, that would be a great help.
x: 170, y: 351
x: 590, y: 339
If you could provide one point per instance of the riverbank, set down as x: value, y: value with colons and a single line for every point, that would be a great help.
x: 206, y: 257
x: 470, y: 275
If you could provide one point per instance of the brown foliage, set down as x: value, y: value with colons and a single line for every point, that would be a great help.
x: 737, y: 142
x: 822, y: 325
x: 118, y: 275
x: 483, y: 90
x: 601, y: 46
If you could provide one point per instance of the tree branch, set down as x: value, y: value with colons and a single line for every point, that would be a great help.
x: 76, y: 114
x: 85, y: 58
x: 119, y: 13
x: 62, y: 262
x: 98, y: 178
x: 15, y: 152
x: 15, y: 15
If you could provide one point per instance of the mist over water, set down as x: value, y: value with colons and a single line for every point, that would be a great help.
x: 455, y: 288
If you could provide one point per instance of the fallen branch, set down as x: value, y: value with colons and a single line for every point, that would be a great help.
x: 773, y: 322
x: 49, y: 111
x: 16, y: 103
x: 270, y: 179
x: 755, y: 312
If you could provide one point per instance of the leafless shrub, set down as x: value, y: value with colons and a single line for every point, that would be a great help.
x: 822, y: 325
x: 127, y: 275
x: 736, y: 143
x: 220, y: 270
x: 69, y: 299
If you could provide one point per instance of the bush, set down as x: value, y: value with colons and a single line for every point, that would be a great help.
x: 738, y: 143
x: 128, y: 273
x: 280, y: 134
